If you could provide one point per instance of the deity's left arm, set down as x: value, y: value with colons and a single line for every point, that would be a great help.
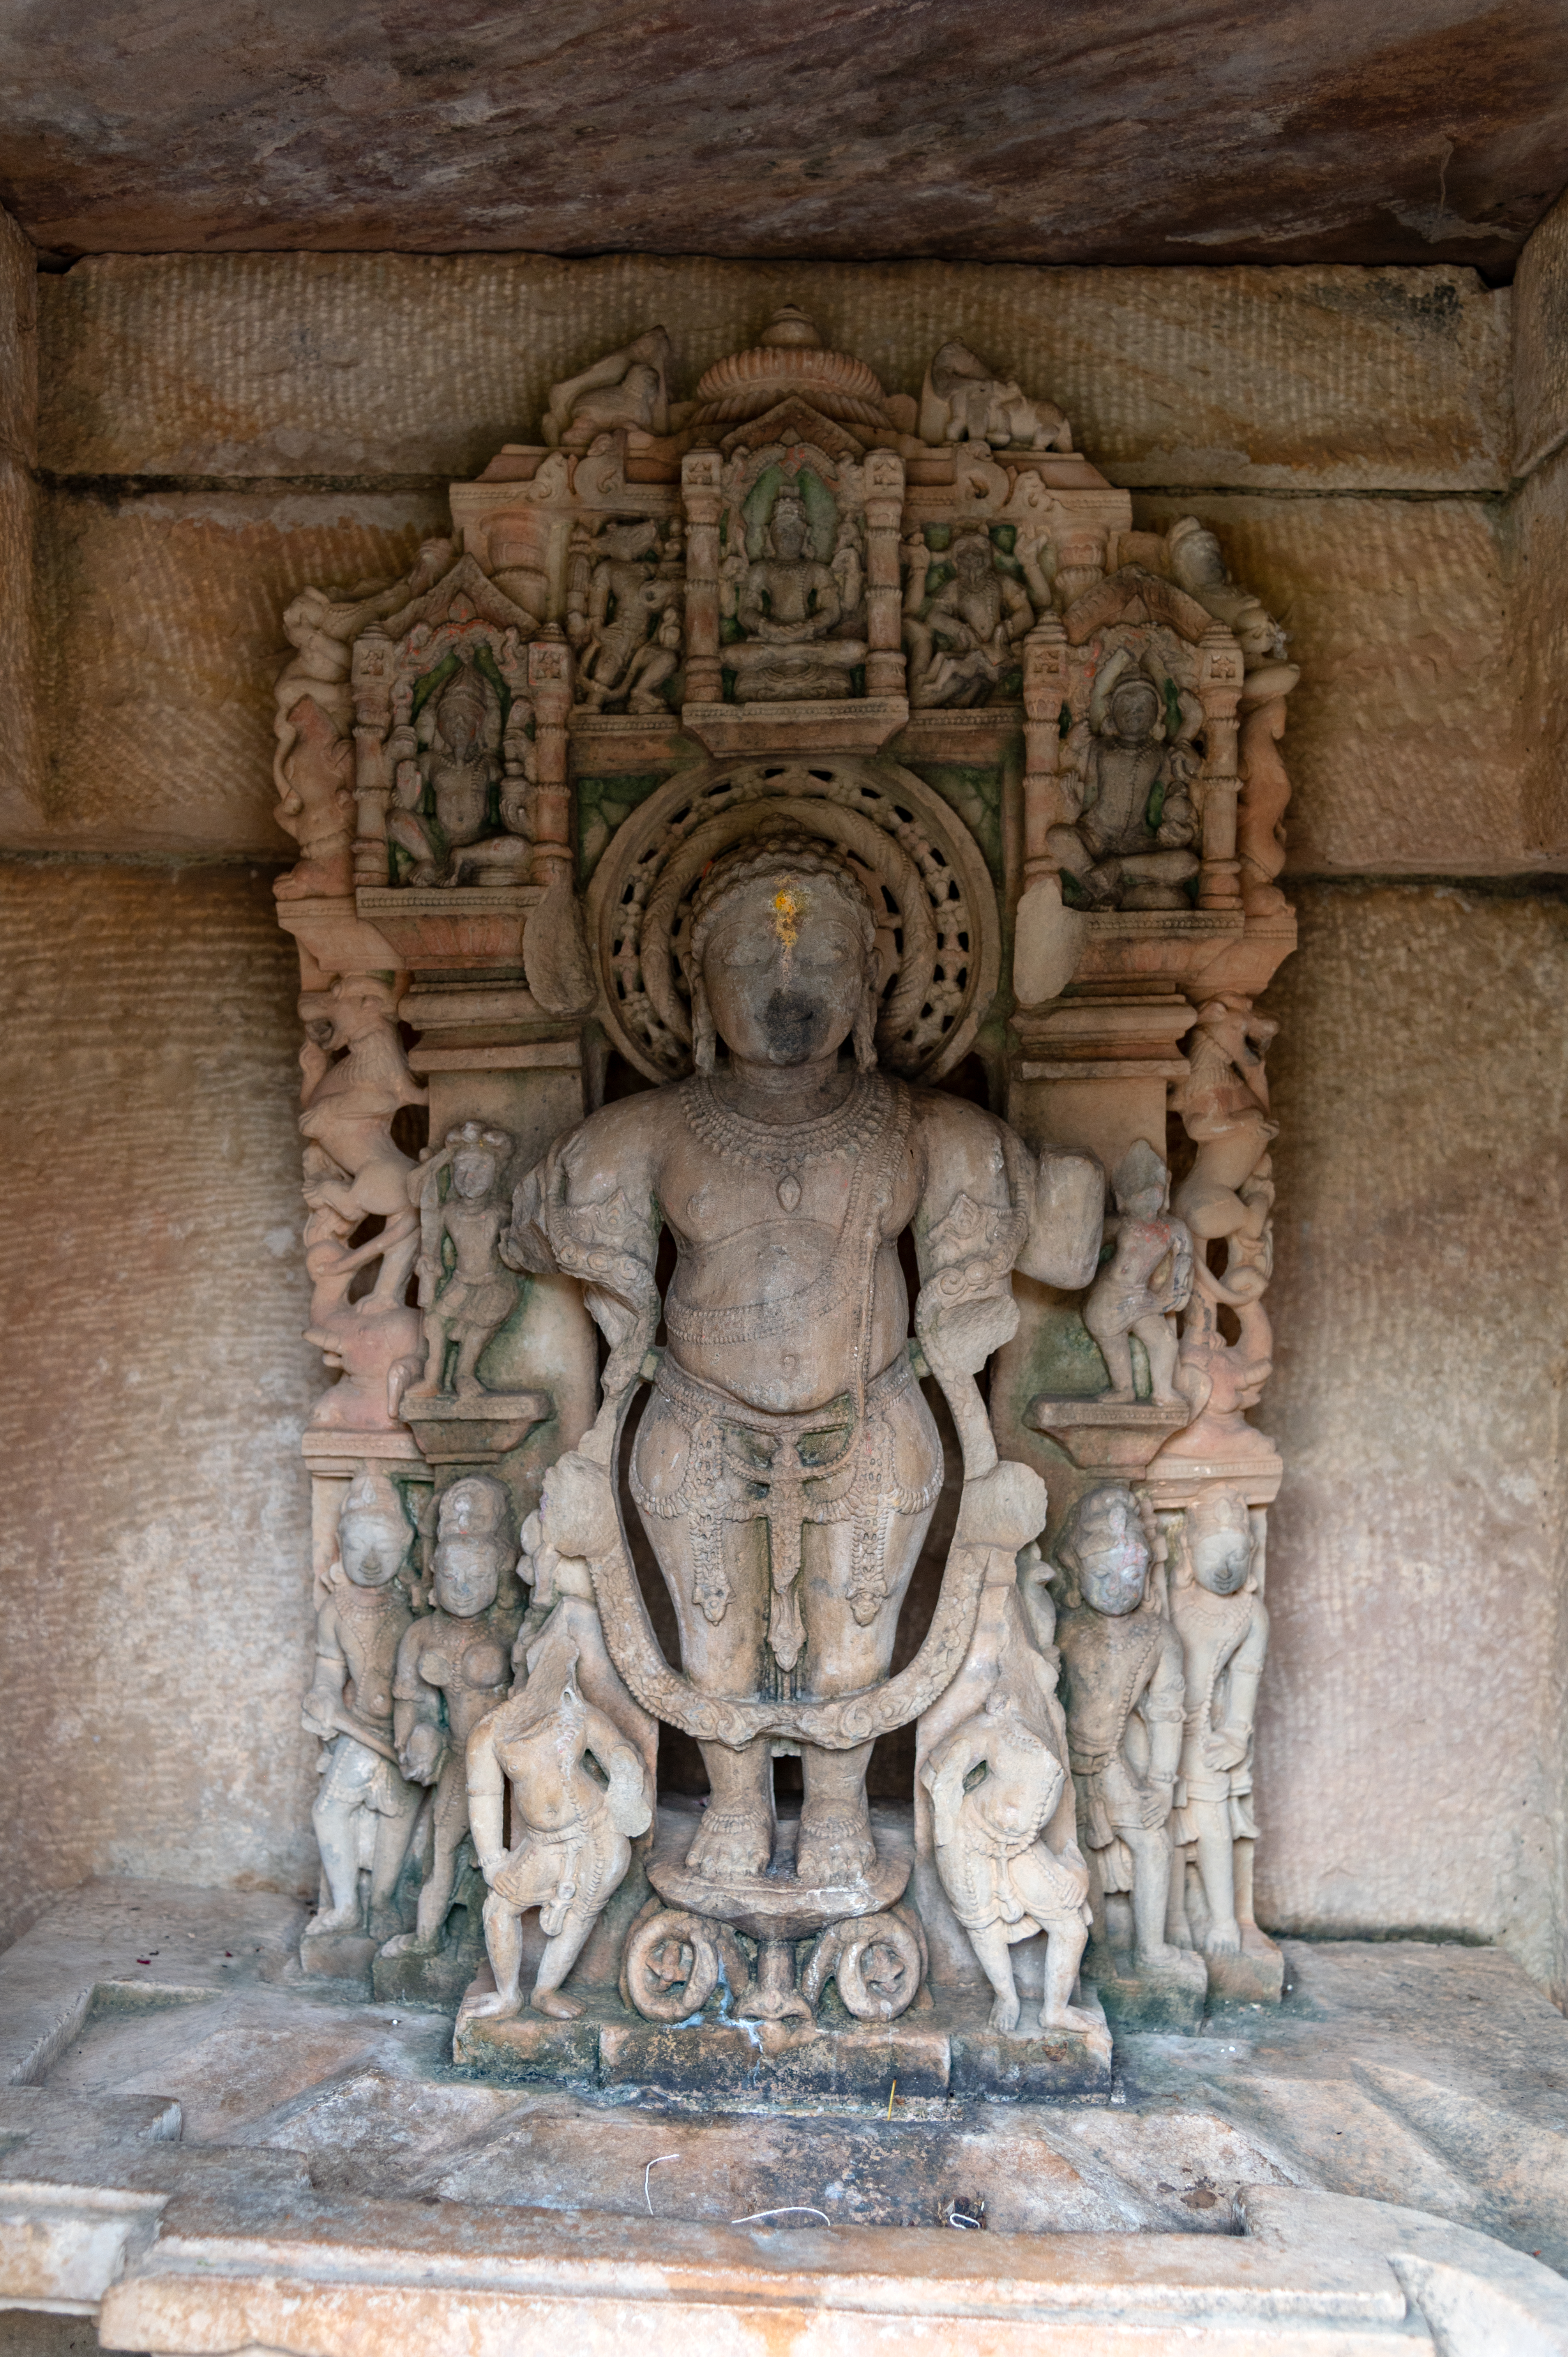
x: 589, y: 1210
x: 1242, y: 1677
x: 1163, y: 1707
x: 630, y: 1802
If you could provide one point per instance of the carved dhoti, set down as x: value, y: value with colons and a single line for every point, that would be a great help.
x: 824, y: 1465
x: 991, y: 1879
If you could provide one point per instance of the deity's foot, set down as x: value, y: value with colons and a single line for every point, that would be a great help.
x: 835, y: 1845
x: 335, y: 1919
x: 386, y: 1924
x: 555, y: 2003
x: 1067, y: 2017
x: 494, y: 2006
x: 730, y: 1843
x: 1255, y: 1942
x: 1005, y: 2012
x: 409, y: 1944
x: 1222, y: 1940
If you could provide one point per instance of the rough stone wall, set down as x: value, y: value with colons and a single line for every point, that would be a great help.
x: 216, y: 431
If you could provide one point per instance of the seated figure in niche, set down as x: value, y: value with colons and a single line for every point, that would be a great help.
x: 788, y: 607
x: 456, y: 775
x: 1122, y: 1666
x: 466, y: 1306
x: 454, y: 1665
x: 786, y: 1467
x: 1130, y: 846
x: 964, y: 642
x: 626, y: 646
x: 365, y: 1810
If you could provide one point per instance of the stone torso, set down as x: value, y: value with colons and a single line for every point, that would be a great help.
x: 370, y: 1624
x: 1122, y: 777
x: 467, y: 1661
x: 1107, y: 1664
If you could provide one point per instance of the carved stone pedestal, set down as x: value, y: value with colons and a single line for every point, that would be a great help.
x: 344, y: 1956
x: 1166, y: 1997
x: 1255, y: 1976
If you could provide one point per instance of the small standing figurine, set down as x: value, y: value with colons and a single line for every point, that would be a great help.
x: 364, y: 1811
x: 571, y: 1829
x: 1147, y: 1279
x: 465, y: 1308
x: 1122, y: 1668
x: 453, y: 1666
x: 1223, y: 1626
x: 1004, y: 1844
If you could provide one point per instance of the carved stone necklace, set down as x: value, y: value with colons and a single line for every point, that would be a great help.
x: 782, y: 1150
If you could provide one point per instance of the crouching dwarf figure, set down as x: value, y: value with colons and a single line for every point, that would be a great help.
x: 1123, y: 1687
x: 365, y: 1810
x: 786, y: 1466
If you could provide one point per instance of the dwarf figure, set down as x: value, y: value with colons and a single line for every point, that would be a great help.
x: 463, y: 1308
x: 571, y: 1829
x: 1122, y: 1688
x: 1223, y: 1626
x: 1001, y: 1809
x: 453, y: 1666
x: 1147, y: 1279
x: 365, y: 1809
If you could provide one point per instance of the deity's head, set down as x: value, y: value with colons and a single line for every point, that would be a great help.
x: 1141, y: 1182
x: 461, y: 713
x: 626, y: 543
x: 373, y: 1534
x: 472, y: 1549
x: 1103, y: 1544
x: 479, y: 1156
x: 970, y: 556
x: 1195, y: 557
x: 791, y: 527
x: 1133, y: 711
x: 1220, y: 1541
x: 783, y: 958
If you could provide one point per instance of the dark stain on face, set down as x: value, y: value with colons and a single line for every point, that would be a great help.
x: 792, y: 1020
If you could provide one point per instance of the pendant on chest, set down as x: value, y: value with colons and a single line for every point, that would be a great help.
x: 789, y: 1191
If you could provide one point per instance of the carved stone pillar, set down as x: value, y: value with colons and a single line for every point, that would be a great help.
x: 701, y: 496
x: 884, y: 513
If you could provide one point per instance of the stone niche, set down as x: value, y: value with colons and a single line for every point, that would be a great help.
x: 782, y: 890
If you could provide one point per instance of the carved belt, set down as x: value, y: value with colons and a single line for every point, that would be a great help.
x: 723, y: 1485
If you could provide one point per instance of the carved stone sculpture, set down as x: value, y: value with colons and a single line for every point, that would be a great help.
x: 1146, y: 1281
x: 964, y: 401
x: 454, y: 1665
x: 625, y: 618
x: 628, y: 390
x: 465, y: 1302
x: 365, y: 1810
x: 446, y: 817
x: 789, y: 606
x: 1130, y: 847
x: 373, y: 1341
x: 962, y: 640
x: 1122, y: 1666
x: 1223, y: 1626
x: 356, y: 1078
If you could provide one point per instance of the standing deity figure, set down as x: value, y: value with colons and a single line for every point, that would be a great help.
x: 963, y: 642
x: 786, y: 1466
x: 1001, y: 1809
x: 571, y: 1829
x: 1146, y: 1281
x: 1129, y: 847
x: 454, y: 1665
x: 1124, y: 1692
x: 629, y: 636
x: 464, y: 1304
x: 457, y: 774
x: 365, y: 1809
x: 965, y: 401
x: 790, y: 607
x: 1223, y: 1626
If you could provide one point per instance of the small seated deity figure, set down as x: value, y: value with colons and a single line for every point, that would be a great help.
x: 629, y: 636
x: 997, y: 1790
x: 1146, y: 1281
x: 1129, y: 847
x: 365, y: 1810
x: 454, y: 1665
x: 786, y: 1467
x: 962, y: 644
x: 1124, y: 1692
x: 464, y: 1306
x: 627, y: 391
x: 965, y: 401
x: 571, y: 1829
x: 441, y: 797
x: 789, y: 609
x: 1223, y: 1626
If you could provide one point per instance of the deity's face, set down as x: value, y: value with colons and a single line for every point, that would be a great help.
x: 628, y: 542
x: 467, y: 1576
x: 789, y: 530
x: 971, y: 563
x: 473, y: 1174
x: 784, y: 968
x: 1113, y: 1568
x: 1146, y: 1204
x: 370, y: 1549
x: 1221, y: 1553
x: 1135, y: 711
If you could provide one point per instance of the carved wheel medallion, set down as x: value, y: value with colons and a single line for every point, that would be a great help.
x: 938, y: 934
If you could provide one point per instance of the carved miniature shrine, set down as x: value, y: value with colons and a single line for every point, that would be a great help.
x: 781, y: 899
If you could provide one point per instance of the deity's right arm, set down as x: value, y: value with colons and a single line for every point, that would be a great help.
x: 590, y: 1210
x: 417, y: 1731
x: 324, y: 1699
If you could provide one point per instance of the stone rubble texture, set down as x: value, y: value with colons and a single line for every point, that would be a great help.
x: 1429, y: 631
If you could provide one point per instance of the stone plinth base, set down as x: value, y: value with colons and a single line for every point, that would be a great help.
x: 346, y: 1956
x: 1167, y: 1997
x: 1256, y: 1976
x: 437, y: 1980
x: 945, y: 2049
